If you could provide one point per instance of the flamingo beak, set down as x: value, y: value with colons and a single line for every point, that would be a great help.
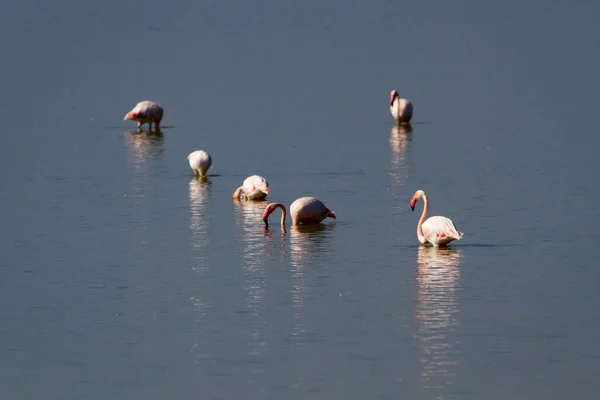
x: 413, y: 201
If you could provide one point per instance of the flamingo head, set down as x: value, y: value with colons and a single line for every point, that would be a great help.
x: 268, y: 211
x: 393, y: 96
x: 130, y: 116
x: 419, y: 194
x: 331, y: 214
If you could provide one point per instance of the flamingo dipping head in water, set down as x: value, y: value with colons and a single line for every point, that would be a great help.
x: 200, y: 162
x: 439, y: 231
x: 305, y: 210
x: 145, y: 112
x: 401, y: 109
x: 254, y: 187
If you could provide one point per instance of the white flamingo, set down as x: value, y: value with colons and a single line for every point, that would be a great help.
x: 200, y: 162
x: 305, y: 210
x: 401, y: 109
x: 439, y: 231
x: 254, y: 187
x: 145, y: 111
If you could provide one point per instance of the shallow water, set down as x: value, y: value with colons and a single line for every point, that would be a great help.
x: 123, y: 276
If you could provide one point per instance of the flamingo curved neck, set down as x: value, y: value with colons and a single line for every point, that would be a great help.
x: 237, y: 193
x: 420, y: 235
x: 283, y: 212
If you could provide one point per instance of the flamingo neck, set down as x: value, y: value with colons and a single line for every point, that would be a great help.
x: 420, y: 235
x: 283, y: 212
x: 237, y: 193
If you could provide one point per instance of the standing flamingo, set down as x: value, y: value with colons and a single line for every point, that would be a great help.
x: 255, y: 187
x: 146, y: 111
x: 401, y: 109
x: 305, y: 210
x: 439, y: 231
x: 200, y: 162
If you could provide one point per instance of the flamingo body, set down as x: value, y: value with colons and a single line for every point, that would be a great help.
x: 200, y: 162
x: 305, y: 210
x: 145, y: 112
x: 254, y: 187
x: 439, y: 231
x: 401, y: 109
x: 309, y: 210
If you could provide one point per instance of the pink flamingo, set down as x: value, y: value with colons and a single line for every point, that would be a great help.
x: 439, y: 231
x: 401, y: 109
x: 254, y: 187
x: 200, y: 161
x: 146, y: 111
x: 305, y: 210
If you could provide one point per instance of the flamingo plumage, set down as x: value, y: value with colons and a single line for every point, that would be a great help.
x: 145, y: 112
x: 401, y: 109
x: 305, y: 210
x: 439, y: 231
x: 200, y: 162
x: 254, y: 187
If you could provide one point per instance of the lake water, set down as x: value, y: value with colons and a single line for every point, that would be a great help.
x: 122, y: 276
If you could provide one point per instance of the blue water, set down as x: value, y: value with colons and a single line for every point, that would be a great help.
x: 122, y: 276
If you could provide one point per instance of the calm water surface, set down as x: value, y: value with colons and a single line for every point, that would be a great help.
x: 123, y: 277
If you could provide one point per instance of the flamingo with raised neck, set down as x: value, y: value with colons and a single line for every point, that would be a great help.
x: 305, y: 210
x: 401, y: 109
x: 439, y: 231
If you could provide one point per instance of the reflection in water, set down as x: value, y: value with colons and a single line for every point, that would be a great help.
x: 143, y: 146
x: 199, y: 192
x: 199, y: 195
x: 435, y: 314
x: 400, y: 138
x: 144, y: 149
x: 308, y: 246
x: 258, y: 248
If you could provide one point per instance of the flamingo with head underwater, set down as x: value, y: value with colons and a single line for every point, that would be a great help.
x: 305, y: 210
x: 200, y: 161
x: 439, y: 231
x: 254, y: 187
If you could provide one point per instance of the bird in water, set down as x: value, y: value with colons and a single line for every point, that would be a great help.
x: 401, y: 109
x: 439, y: 231
x: 200, y: 162
x: 145, y: 112
x: 254, y: 187
x: 305, y: 210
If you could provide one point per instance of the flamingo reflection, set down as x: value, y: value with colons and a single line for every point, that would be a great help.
x: 199, y: 197
x: 144, y: 151
x: 309, y: 244
x: 436, y: 315
x: 143, y: 146
x: 199, y: 193
x: 400, y: 138
x: 258, y: 246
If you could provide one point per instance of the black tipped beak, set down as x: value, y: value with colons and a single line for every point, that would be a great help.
x: 412, y: 208
x: 266, y: 222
